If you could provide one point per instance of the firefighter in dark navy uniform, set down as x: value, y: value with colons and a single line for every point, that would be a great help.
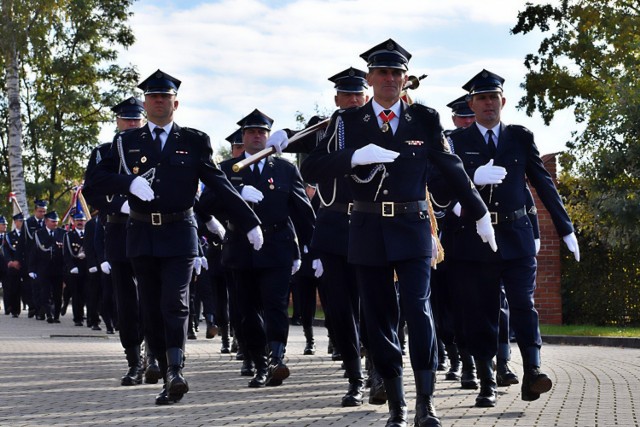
x: 31, y: 225
x: 385, y: 149
x: 275, y: 189
x: 16, y: 258
x: 502, y: 159
x: 159, y: 167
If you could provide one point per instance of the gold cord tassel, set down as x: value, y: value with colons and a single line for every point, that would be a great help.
x: 434, y: 232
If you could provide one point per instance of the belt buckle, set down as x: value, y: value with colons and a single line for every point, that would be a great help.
x: 388, y: 209
x: 349, y: 208
x: 156, y: 218
x: 494, y: 217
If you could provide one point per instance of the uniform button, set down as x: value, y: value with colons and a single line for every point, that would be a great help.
x: 158, y: 180
x: 496, y: 204
x: 386, y: 175
x: 385, y: 192
x: 157, y: 164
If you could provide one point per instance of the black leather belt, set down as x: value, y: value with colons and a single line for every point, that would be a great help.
x: 389, y: 209
x: 117, y: 219
x: 157, y: 218
x: 500, y: 217
x: 339, y: 207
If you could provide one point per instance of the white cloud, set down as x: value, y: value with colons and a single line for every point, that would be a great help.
x: 236, y: 55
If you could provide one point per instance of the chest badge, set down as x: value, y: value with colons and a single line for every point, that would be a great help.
x: 143, y: 159
x: 271, y: 186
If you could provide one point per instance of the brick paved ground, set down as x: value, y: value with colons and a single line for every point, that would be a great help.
x: 66, y: 375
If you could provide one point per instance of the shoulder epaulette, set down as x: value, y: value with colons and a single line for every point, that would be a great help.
x: 192, y: 130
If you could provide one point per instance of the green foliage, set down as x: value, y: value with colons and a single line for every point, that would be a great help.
x: 67, y: 52
x: 589, y: 63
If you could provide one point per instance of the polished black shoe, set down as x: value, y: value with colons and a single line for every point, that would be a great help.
x: 309, y: 349
x: 77, y: 323
x: 505, y: 376
x: 534, y: 383
x: 468, y: 380
x: 398, y: 416
x: 132, y: 377
x: 96, y: 328
x: 56, y: 320
x: 49, y: 320
x: 15, y: 315
x: 239, y: 355
x: 40, y: 317
x: 259, y: 380
x: 176, y: 384
x: 354, y: 395
x: 488, y: 395
x: 164, y: 399
x: 31, y: 313
x: 152, y: 374
x: 452, y: 375
x: 191, y: 335
x: 377, y: 392
x: 247, y: 368
x: 426, y: 415
x: 276, y: 373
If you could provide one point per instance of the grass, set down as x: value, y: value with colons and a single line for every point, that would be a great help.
x: 590, y: 331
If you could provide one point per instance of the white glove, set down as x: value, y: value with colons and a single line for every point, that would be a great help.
x: 372, y: 153
x: 216, y: 227
x: 572, y: 244
x: 33, y: 275
x: 205, y: 262
x: 105, y: 267
x: 457, y: 209
x: 489, y: 174
x: 125, y: 208
x: 486, y: 232
x: 141, y: 189
x: 251, y: 194
x: 537, y: 243
x: 434, y: 247
x: 197, y: 265
x: 316, y: 264
x: 93, y: 269
x: 74, y: 270
x: 296, y: 266
x: 278, y: 140
x: 255, y: 237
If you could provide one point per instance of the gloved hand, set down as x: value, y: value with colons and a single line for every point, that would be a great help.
x: 434, y: 247
x: 141, y: 189
x: 197, y: 265
x: 316, y: 264
x: 205, y: 262
x: 489, y: 174
x: 372, y: 153
x: 125, y: 208
x: 74, y: 270
x: 255, y: 237
x: 486, y: 232
x: 457, y: 209
x: 537, y: 243
x: 105, y: 267
x: 296, y: 266
x: 278, y: 140
x: 33, y: 275
x: 572, y: 244
x: 251, y: 194
x: 216, y: 227
x: 93, y: 269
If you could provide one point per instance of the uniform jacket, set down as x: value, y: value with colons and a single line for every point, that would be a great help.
x: 518, y: 154
x: 373, y: 239
x: 285, y: 212
x: 46, y: 255
x: 174, y: 175
x: 15, y: 248
x: 74, y: 251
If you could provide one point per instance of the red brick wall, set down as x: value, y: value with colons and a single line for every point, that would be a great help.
x: 548, y: 299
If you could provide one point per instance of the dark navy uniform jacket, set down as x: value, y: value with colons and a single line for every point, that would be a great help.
x: 15, y: 249
x: 46, y: 255
x: 174, y: 175
x: 285, y: 212
x: 518, y: 154
x: 373, y: 239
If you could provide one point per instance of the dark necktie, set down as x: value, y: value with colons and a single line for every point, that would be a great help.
x: 256, y: 173
x: 386, y: 116
x: 51, y: 233
x: 158, y: 141
x: 491, y: 145
x: 81, y: 234
x: 39, y: 223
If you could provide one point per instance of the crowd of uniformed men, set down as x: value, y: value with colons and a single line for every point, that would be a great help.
x: 382, y: 191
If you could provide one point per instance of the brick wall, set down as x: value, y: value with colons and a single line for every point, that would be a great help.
x: 547, y: 296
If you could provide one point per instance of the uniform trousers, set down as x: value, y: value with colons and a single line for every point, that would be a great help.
x: 127, y: 304
x: 12, y: 287
x: 164, y: 298
x: 50, y: 293
x: 481, y: 281
x: 263, y: 298
x: 382, y: 314
x: 342, y: 303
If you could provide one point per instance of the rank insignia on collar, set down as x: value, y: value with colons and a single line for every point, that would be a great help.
x: 413, y: 142
x: 407, y: 116
x: 366, y: 118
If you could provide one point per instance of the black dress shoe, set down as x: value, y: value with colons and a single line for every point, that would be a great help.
x: 276, y: 373
x: 468, y: 380
x: 152, y: 374
x: 488, y: 394
x: 163, y: 398
x: 176, y: 384
x: 56, y: 320
x: 191, y: 335
x: 377, y: 392
x: 426, y: 413
x: 49, y: 320
x: 354, y: 395
x: 15, y: 316
x: 31, y: 313
x: 534, y: 384
x: 132, y: 377
x: 78, y: 323
x: 247, y: 368
x: 239, y: 355
x: 397, y: 416
x: 505, y: 376
x: 96, y: 328
x: 259, y: 380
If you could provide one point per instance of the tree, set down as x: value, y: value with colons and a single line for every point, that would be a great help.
x: 589, y: 63
x: 59, y: 58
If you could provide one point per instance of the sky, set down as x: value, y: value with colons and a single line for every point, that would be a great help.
x: 236, y: 55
